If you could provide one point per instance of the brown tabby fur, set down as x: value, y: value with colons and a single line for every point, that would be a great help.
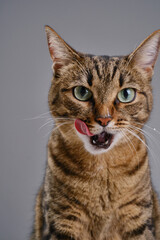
x: 106, y: 196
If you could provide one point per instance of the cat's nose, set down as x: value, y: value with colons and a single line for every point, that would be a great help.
x: 103, y: 121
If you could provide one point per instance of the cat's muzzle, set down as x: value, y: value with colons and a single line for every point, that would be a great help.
x: 102, y: 140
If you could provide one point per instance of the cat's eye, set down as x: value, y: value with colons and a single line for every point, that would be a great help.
x: 82, y: 93
x: 126, y: 95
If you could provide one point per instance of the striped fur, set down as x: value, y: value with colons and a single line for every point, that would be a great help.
x: 89, y: 194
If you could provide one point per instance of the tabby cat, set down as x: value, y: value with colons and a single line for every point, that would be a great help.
x: 97, y: 184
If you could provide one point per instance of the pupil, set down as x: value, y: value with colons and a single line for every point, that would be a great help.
x: 126, y: 93
x: 83, y: 91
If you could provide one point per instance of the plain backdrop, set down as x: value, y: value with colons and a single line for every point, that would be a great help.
x: 113, y: 27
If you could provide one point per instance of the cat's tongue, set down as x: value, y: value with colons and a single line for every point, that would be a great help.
x: 82, y: 127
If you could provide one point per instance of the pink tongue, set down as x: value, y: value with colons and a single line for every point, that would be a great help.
x: 82, y: 127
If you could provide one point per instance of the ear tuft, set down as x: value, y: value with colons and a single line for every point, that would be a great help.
x: 145, y: 56
x: 61, y: 53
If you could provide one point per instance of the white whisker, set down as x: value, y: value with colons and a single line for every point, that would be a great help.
x: 134, y: 134
x: 41, y: 116
x: 129, y: 141
x: 153, y: 129
x: 55, y: 128
x: 45, y: 124
x: 147, y: 135
x: 63, y: 118
x: 149, y: 149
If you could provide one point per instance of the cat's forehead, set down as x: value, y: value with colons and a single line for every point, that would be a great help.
x: 108, y: 72
x: 104, y: 66
x: 105, y: 70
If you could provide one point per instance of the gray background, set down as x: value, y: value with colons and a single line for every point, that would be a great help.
x: 93, y: 26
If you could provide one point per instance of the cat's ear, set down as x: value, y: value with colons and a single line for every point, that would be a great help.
x: 145, y: 56
x: 61, y: 53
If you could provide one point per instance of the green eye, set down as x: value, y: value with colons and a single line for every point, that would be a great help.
x: 126, y: 95
x: 82, y: 93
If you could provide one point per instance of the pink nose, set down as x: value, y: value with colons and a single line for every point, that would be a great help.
x: 103, y: 121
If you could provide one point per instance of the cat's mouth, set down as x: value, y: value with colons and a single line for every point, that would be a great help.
x: 102, y: 140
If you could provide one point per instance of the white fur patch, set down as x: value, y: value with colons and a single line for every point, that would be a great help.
x: 95, y: 150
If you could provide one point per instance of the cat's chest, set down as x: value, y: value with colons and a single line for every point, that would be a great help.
x: 95, y: 196
x: 102, y: 212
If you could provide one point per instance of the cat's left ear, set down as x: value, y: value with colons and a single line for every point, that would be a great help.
x: 61, y: 53
x: 145, y: 56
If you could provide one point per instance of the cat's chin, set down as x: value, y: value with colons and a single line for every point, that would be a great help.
x: 99, y: 143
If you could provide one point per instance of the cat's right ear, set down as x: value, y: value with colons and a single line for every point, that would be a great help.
x: 61, y: 53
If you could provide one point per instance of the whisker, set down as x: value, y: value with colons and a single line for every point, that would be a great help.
x: 125, y: 136
x: 39, y: 116
x: 151, y: 138
x: 55, y: 128
x: 148, y: 135
x: 69, y: 131
x: 45, y: 124
x: 150, y: 150
x: 133, y: 147
x: 134, y: 134
x: 63, y: 118
x: 145, y: 125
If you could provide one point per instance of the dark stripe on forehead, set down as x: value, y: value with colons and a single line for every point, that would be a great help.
x: 121, y: 80
x: 114, y: 72
x: 89, y: 78
x: 97, y: 68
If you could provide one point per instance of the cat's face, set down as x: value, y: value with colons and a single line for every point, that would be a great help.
x: 104, y: 99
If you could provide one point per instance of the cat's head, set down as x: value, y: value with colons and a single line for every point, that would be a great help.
x: 101, y: 99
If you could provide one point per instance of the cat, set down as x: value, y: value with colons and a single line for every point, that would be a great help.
x: 97, y: 184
